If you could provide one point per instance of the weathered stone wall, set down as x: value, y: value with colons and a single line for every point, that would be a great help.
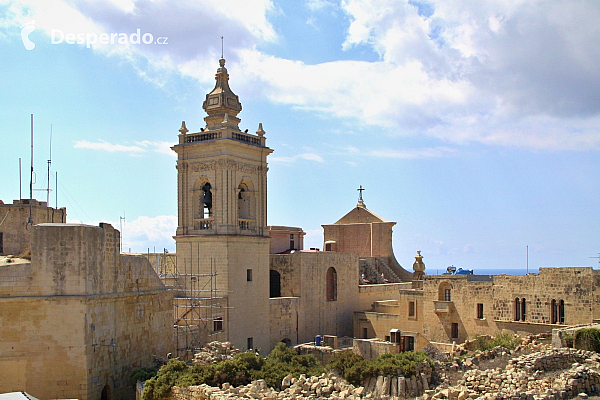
x: 80, y: 317
x: 309, y: 313
x: 15, y: 232
x: 364, y: 239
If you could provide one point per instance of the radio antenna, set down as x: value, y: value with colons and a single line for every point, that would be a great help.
x: 49, y: 163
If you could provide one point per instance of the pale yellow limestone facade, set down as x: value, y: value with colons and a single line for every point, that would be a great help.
x: 222, y: 236
x: 78, y: 318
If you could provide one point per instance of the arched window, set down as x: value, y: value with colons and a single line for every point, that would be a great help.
x: 445, y: 292
x: 206, y: 201
x: 523, y: 309
x: 274, y: 283
x: 517, y: 309
x: 243, y: 201
x: 553, y: 312
x: 331, y: 284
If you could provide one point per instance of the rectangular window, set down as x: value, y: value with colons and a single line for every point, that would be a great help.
x: 448, y: 294
x: 454, y: 330
x: 409, y: 343
x: 291, y: 236
x: 292, y: 247
x: 387, y: 339
x: 395, y: 336
x: 365, y: 333
x: 411, y: 308
x: 250, y: 343
x: 1, y: 244
x: 480, y: 310
x: 328, y: 247
x: 218, y: 324
x: 249, y: 275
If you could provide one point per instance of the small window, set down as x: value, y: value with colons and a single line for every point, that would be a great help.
x: 411, y: 308
x: 387, y: 339
x: 218, y: 324
x: 250, y: 343
x: 523, y: 309
x: 365, y: 333
x: 517, y: 309
x: 395, y: 336
x: 331, y: 284
x: 328, y: 247
x: 249, y: 275
x: 561, y: 312
x: 480, y: 310
x: 291, y: 236
x: 454, y: 330
x: 292, y: 245
x: 448, y: 295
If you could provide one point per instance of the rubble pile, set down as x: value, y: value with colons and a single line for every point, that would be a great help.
x: 215, y: 352
x: 549, y: 375
x: 324, y: 386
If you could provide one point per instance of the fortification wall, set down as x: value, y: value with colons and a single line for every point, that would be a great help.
x: 79, y: 317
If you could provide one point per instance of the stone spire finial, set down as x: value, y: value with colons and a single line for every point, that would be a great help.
x: 418, y: 267
x: 260, y: 131
x: 183, y: 130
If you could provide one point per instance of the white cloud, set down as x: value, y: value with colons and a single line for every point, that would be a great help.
x: 143, y: 233
x: 430, y: 152
x: 303, y: 156
x: 503, y: 73
x: 133, y: 150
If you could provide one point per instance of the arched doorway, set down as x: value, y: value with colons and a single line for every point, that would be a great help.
x: 105, y: 393
x: 274, y: 283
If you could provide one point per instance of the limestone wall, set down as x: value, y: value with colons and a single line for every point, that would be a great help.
x: 314, y: 314
x: 15, y: 232
x: 80, y: 317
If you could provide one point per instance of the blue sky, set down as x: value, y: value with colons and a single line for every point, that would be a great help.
x: 475, y: 127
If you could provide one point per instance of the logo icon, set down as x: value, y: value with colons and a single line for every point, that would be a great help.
x: 25, y: 31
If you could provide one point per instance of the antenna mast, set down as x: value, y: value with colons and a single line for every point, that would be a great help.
x: 221, y: 46
x: 49, y: 163
x: 30, y: 220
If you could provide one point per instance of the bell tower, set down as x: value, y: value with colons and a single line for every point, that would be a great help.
x: 222, y: 237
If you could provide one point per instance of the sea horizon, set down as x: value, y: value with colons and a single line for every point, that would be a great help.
x: 505, y: 271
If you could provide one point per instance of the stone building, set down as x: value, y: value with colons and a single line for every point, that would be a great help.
x: 79, y: 317
x: 222, y: 237
x: 17, y: 220
x: 453, y: 308
x: 285, y: 239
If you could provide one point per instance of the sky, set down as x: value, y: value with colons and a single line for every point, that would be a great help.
x: 475, y: 126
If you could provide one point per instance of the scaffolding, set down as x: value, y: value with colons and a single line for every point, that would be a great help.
x: 200, y: 307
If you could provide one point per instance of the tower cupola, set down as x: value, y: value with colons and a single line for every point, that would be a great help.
x: 221, y: 104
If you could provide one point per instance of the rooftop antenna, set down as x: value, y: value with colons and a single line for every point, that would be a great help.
x: 49, y: 163
x: 221, y: 46
x: 598, y: 257
x: 20, y: 181
x: 29, y: 220
x: 121, y: 222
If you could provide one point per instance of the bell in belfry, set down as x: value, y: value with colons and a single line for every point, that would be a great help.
x: 207, y: 198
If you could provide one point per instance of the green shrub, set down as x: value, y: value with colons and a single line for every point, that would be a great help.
x: 357, y: 370
x: 344, y: 360
x: 588, y: 339
x: 244, y: 368
x: 505, y: 340
x: 142, y: 374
